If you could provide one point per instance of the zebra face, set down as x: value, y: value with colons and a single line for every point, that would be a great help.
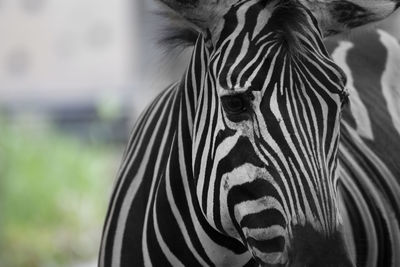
x: 265, y: 145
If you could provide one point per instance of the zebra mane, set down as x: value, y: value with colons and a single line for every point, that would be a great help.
x: 178, y: 34
x: 288, y: 20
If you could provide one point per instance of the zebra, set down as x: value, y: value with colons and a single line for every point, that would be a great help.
x: 245, y: 161
x: 370, y: 146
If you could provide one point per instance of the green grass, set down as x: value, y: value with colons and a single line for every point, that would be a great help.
x: 53, y: 196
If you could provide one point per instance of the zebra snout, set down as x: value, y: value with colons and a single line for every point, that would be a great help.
x: 313, y: 248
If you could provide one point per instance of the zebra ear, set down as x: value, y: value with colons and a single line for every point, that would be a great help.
x: 201, y: 14
x: 335, y: 16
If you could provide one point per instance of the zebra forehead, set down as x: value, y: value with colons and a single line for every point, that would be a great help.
x: 289, y: 36
x: 286, y: 20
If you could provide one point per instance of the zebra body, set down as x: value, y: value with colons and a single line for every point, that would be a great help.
x: 370, y: 145
x: 236, y: 165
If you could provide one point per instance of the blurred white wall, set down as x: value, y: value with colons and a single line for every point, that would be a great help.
x: 66, y: 49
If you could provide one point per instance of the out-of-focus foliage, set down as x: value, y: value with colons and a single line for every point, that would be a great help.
x: 53, y: 194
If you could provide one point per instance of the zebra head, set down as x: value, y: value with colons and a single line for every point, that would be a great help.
x: 265, y: 153
x: 266, y: 129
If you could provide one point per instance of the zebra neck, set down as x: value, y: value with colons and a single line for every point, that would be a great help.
x: 370, y: 202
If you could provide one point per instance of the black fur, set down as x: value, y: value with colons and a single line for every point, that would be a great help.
x: 178, y: 37
x: 177, y: 33
x: 314, y: 249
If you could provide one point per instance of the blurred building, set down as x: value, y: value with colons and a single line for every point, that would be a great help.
x: 61, y: 50
x: 69, y: 58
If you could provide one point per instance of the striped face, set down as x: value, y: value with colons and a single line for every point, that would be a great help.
x: 266, y: 136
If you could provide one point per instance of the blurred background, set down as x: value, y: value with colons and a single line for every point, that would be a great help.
x: 74, y: 75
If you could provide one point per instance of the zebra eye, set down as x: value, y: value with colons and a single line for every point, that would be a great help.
x: 235, y: 106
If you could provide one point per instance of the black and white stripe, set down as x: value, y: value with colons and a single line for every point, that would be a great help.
x: 238, y: 165
x: 370, y: 146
